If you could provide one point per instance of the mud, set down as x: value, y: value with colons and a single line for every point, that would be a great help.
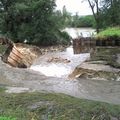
x: 81, y: 88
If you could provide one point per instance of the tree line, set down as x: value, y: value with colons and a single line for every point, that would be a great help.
x: 105, y: 12
x: 37, y: 21
x: 34, y: 21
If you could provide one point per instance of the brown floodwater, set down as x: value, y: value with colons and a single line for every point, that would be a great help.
x: 36, y: 80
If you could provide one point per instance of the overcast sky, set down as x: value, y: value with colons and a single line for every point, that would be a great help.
x: 74, y: 6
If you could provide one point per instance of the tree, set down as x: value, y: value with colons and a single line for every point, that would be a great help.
x: 83, y: 21
x: 34, y: 20
x: 94, y: 4
x: 111, y: 12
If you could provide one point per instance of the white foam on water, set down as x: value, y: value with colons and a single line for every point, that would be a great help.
x: 60, y: 69
x: 56, y: 70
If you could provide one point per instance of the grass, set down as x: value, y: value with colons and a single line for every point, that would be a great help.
x: 43, y: 106
x: 7, y: 118
x: 115, y: 31
x: 2, y: 89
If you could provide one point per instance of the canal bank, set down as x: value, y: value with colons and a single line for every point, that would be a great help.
x: 30, y: 94
x: 98, y: 90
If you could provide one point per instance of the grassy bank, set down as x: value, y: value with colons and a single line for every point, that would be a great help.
x: 110, y: 32
x: 42, y: 106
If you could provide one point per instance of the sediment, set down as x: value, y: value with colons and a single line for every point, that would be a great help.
x: 104, y: 64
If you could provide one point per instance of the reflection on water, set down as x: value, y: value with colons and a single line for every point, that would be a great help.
x: 59, y: 68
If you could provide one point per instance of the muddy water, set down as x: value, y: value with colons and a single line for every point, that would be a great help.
x: 81, y: 88
x: 59, y: 64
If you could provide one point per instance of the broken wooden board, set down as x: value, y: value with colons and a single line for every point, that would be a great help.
x: 18, y: 54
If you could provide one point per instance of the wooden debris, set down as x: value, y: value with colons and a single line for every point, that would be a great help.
x: 19, y: 55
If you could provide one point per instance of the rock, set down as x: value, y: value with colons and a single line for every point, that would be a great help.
x: 118, y: 58
x: 58, y: 60
x: 96, y: 72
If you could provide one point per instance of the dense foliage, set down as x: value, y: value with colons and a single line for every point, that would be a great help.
x: 33, y: 20
x: 83, y: 21
x: 37, y: 21
x: 105, y: 12
x: 110, y: 13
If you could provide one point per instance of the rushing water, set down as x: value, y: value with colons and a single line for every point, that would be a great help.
x: 65, y: 64
x: 27, y: 79
x: 50, y: 76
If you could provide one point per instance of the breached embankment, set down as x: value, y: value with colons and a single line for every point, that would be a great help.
x: 29, y: 80
x: 107, y: 91
x: 59, y: 64
x: 103, y: 65
x: 18, y: 54
x: 82, y: 88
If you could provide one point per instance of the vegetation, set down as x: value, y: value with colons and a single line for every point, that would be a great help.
x: 94, y: 4
x: 83, y: 21
x: 33, y: 20
x: 36, y: 106
x: 110, y: 13
x: 37, y: 21
x: 114, y: 31
x: 105, y: 12
x: 7, y: 118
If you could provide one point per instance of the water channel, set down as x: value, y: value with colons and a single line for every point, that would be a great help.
x: 49, y: 74
x: 59, y: 64
x: 40, y: 78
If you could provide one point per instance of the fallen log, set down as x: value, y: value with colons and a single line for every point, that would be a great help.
x: 18, y: 54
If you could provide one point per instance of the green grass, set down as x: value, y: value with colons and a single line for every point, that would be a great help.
x: 54, y: 107
x: 7, y: 118
x: 2, y: 89
x: 115, y: 31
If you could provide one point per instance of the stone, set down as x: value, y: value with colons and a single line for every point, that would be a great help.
x: 92, y: 71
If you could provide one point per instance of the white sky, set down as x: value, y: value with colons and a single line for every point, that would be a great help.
x: 74, y: 6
